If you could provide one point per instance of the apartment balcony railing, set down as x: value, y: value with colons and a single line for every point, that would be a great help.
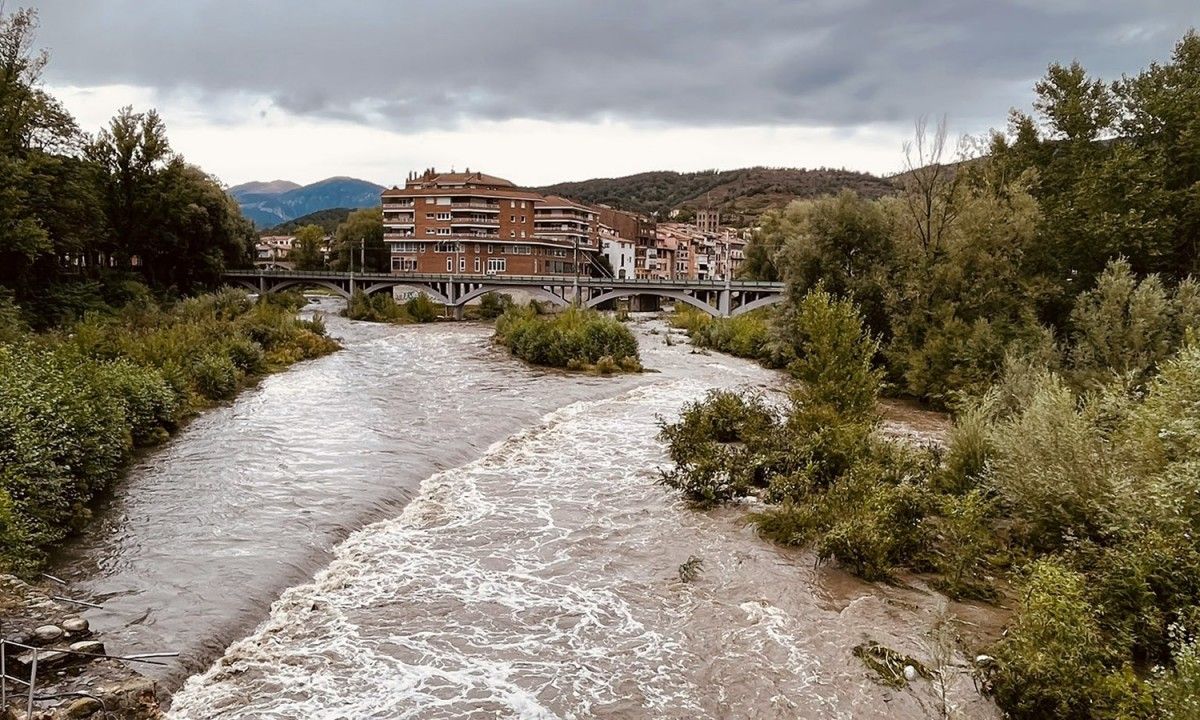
x: 490, y: 222
x: 475, y: 204
x: 398, y: 205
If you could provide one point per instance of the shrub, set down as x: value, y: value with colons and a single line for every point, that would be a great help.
x: 215, y: 376
x: 1053, y: 661
x: 833, y: 354
x: 150, y: 403
x: 380, y: 307
x: 1177, y: 689
x: 492, y: 305
x: 575, y: 339
x: 717, y: 446
x: 1053, y: 470
x: 421, y: 309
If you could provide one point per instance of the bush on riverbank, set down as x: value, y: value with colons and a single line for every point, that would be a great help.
x: 382, y: 307
x: 76, y: 402
x: 1090, y: 501
x: 747, y: 336
x: 575, y: 339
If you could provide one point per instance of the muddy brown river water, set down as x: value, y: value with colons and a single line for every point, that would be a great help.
x: 421, y: 527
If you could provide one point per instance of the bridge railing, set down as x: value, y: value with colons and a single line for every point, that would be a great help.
x: 557, y: 280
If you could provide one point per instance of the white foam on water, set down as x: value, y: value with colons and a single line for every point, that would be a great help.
x: 540, y: 581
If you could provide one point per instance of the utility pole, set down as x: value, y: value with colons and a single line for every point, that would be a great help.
x: 576, y: 269
x: 350, y: 253
x: 362, y: 253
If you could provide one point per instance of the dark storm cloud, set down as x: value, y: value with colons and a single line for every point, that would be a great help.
x: 415, y: 63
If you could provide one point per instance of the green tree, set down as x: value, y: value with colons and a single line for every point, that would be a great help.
x: 844, y: 243
x: 362, y: 234
x: 306, y: 249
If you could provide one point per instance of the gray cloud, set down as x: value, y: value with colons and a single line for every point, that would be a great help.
x: 417, y: 63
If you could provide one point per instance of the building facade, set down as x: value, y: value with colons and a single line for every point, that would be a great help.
x: 472, y: 223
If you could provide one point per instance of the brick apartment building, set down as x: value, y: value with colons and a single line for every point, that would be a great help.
x: 474, y: 223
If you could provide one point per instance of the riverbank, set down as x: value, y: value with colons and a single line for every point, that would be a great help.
x: 72, y: 681
x: 77, y: 402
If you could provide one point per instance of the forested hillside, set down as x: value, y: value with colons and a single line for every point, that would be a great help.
x: 327, y: 220
x: 740, y: 195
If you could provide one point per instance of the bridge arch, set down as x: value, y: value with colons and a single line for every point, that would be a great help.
x: 432, y: 292
x: 245, y: 285
x: 756, y: 304
x: 670, y: 294
x: 535, y: 291
x: 322, y: 283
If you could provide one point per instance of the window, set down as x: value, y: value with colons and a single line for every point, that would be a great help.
x: 522, y: 217
x: 491, y: 249
x: 476, y: 249
x: 497, y: 265
x: 449, y: 264
x: 443, y: 216
x: 443, y: 231
x: 430, y: 216
x: 512, y: 233
x: 403, y: 264
x: 512, y: 218
x: 443, y: 201
x: 476, y: 264
x: 462, y: 264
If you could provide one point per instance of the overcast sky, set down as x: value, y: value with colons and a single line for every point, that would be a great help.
x: 546, y: 90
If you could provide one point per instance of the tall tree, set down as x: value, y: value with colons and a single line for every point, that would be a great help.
x: 306, y: 248
x: 362, y: 234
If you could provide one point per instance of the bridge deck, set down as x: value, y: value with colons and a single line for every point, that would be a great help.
x: 513, y: 280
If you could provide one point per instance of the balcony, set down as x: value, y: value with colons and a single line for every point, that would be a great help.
x: 477, y: 220
x: 475, y: 205
x: 403, y: 205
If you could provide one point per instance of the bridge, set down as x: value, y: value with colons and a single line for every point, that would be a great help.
x: 719, y: 298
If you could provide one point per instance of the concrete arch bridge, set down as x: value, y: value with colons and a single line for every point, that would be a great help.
x: 719, y: 298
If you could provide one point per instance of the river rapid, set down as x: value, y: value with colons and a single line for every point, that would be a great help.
x: 458, y: 535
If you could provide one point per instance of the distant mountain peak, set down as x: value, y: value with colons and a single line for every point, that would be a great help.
x: 271, y: 203
x: 264, y: 187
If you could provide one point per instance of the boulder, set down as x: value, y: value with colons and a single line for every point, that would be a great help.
x: 75, y: 625
x: 95, y: 647
x: 84, y: 707
x: 46, y: 634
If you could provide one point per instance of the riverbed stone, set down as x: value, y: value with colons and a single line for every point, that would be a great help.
x: 84, y: 707
x: 75, y: 625
x: 94, y: 647
x: 47, y: 634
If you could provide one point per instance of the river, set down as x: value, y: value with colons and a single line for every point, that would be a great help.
x: 421, y: 527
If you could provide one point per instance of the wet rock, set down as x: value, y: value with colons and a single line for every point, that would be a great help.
x: 84, y: 707
x: 94, y: 647
x: 75, y: 625
x: 46, y: 659
x: 46, y: 634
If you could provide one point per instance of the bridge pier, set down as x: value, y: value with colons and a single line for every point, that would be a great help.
x: 723, y: 302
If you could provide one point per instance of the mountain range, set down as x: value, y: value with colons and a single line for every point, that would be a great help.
x: 277, y: 201
x: 741, y: 195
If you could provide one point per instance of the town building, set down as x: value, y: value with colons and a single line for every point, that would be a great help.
x: 702, y: 255
x: 639, y: 229
x: 708, y: 220
x: 474, y: 223
x: 619, y: 251
x: 272, y: 251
